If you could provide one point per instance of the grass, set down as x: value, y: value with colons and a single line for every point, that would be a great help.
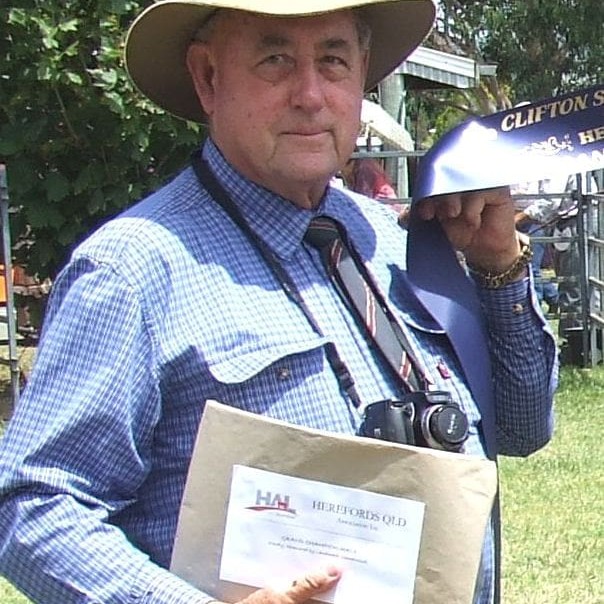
x: 553, y: 505
x: 9, y: 595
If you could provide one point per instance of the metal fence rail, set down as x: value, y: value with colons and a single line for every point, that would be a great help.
x: 595, y: 276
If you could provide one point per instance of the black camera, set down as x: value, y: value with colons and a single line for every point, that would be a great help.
x: 427, y: 419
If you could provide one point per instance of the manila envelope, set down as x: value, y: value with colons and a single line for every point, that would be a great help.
x: 458, y: 492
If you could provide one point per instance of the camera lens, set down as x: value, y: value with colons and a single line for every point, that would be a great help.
x: 445, y: 427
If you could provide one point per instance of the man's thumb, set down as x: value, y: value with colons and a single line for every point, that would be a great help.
x: 312, y: 584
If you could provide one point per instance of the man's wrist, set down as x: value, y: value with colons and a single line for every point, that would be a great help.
x: 491, y: 278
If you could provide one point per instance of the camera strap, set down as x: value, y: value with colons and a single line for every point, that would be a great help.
x: 358, y: 289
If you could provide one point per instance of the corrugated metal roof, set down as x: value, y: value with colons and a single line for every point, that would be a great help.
x: 434, y: 67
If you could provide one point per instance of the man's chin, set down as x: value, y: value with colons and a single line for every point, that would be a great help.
x: 311, y: 167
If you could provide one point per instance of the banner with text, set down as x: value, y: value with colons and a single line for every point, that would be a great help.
x: 560, y: 135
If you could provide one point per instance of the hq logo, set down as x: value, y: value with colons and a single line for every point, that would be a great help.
x: 267, y: 501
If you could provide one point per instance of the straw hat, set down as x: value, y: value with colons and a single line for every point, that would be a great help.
x: 158, y: 39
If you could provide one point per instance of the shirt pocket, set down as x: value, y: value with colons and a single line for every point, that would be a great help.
x: 291, y: 381
x: 244, y: 363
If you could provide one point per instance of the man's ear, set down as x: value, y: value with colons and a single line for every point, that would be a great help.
x: 201, y: 68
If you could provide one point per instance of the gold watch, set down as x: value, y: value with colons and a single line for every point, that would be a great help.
x: 491, y: 280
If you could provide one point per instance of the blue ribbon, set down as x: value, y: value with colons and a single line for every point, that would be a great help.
x: 561, y: 135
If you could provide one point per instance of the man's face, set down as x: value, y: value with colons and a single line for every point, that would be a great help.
x: 283, y: 96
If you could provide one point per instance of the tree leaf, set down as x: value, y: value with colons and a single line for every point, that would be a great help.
x: 57, y: 187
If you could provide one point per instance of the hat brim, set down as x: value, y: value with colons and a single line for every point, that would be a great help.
x: 158, y: 39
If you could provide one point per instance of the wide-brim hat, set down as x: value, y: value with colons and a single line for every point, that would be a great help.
x: 158, y: 39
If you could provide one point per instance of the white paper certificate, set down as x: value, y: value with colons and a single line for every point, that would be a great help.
x: 280, y: 527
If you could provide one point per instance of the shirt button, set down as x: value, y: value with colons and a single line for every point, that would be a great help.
x: 518, y: 308
x: 283, y: 373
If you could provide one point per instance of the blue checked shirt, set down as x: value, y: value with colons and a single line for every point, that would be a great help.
x: 169, y: 305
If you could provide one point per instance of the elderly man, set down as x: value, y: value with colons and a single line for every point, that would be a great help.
x: 208, y: 289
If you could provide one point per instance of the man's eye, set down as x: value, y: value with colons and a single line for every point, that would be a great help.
x: 274, y: 68
x: 335, y: 61
x: 276, y: 60
x: 334, y: 67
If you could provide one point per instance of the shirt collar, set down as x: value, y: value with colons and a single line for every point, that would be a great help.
x: 277, y: 221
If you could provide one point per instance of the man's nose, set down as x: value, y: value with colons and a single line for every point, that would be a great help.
x: 308, y: 92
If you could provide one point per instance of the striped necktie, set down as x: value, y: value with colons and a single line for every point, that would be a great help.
x: 355, y: 286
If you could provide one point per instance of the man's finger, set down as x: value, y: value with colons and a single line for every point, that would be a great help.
x: 313, y: 584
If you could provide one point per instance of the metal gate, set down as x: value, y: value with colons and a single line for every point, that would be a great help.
x: 577, y: 236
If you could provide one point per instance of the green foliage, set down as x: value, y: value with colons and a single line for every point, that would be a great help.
x: 545, y: 48
x: 541, y: 48
x: 79, y: 142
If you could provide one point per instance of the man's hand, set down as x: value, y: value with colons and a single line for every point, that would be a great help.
x: 478, y: 223
x: 298, y: 592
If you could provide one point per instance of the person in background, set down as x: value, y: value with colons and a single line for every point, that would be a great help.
x: 366, y: 175
x: 189, y: 296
